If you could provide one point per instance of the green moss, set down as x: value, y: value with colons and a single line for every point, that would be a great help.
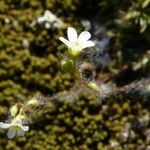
x: 29, y: 66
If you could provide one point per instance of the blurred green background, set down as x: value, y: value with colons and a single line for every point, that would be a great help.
x: 30, y: 66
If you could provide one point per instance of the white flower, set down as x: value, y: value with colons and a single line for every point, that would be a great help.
x: 49, y: 16
x: 77, y: 43
x: 14, y: 128
x: 50, y: 20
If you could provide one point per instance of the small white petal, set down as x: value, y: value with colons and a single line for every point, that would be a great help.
x: 47, y: 25
x: 25, y: 128
x: 84, y: 36
x: 88, y: 44
x: 72, y: 34
x: 40, y: 20
x: 11, y: 132
x: 4, y: 125
x: 47, y: 12
x: 20, y: 132
x: 65, y: 41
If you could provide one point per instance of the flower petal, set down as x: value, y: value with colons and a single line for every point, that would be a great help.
x: 84, y: 36
x: 20, y: 132
x: 25, y: 128
x: 40, y: 20
x: 65, y: 41
x: 4, y: 125
x: 11, y: 132
x: 88, y: 44
x: 47, y: 13
x: 72, y: 34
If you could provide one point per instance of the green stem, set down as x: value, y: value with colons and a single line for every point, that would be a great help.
x: 76, y: 71
x: 78, y: 76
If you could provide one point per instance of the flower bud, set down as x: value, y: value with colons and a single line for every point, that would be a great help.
x: 13, y: 110
x: 93, y: 86
x: 33, y: 101
x: 67, y: 65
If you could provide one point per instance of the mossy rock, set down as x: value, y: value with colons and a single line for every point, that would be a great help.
x: 30, y: 66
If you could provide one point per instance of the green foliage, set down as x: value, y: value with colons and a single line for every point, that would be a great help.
x: 63, y: 8
x: 27, y: 62
x: 86, y: 126
x: 29, y: 66
x: 128, y: 23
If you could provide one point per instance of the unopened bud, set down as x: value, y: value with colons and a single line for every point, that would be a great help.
x: 33, y: 101
x: 13, y: 110
x: 93, y: 86
x: 67, y: 65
